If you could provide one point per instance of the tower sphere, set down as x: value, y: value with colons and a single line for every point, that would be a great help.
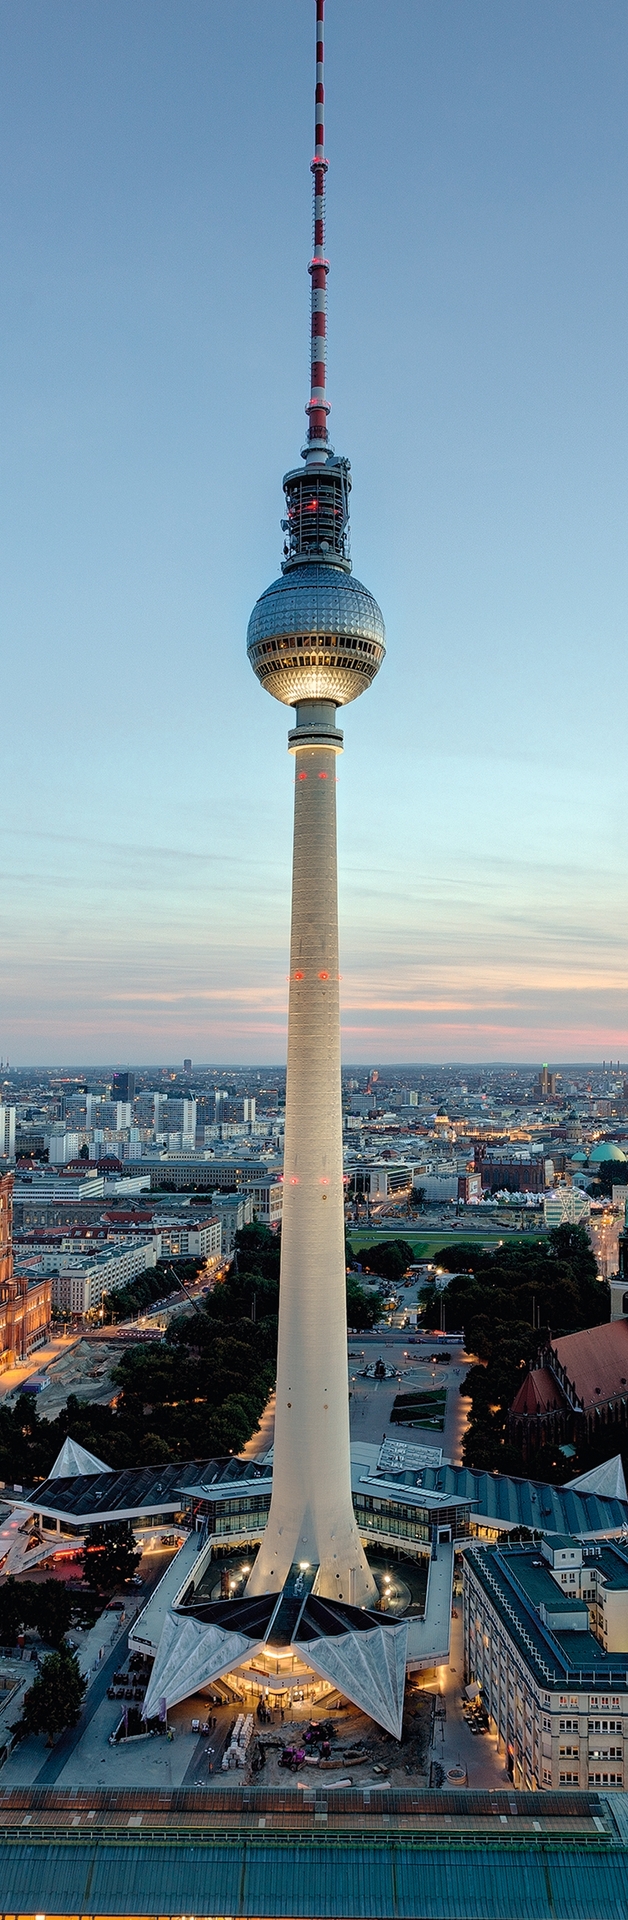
x: 316, y: 634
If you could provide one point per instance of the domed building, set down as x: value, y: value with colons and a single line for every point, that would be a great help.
x: 606, y: 1150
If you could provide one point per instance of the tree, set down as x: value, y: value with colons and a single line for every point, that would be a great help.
x: 56, y: 1697
x: 51, y: 1610
x: 11, y: 1611
x: 510, y: 1303
x: 258, y: 1250
x: 388, y: 1258
x: 110, y: 1556
x: 458, y: 1255
x: 43, y: 1604
x: 608, y: 1173
x: 363, y: 1309
x: 418, y: 1198
x: 573, y: 1245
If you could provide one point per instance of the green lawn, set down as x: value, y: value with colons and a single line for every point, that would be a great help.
x: 420, y: 1409
x: 427, y: 1244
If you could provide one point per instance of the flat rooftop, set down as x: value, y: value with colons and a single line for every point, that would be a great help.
x: 478, y: 1856
x: 516, y: 1585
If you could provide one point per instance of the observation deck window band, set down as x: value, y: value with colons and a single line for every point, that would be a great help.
x: 299, y: 737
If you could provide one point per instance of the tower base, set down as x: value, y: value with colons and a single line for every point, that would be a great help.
x: 361, y: 1653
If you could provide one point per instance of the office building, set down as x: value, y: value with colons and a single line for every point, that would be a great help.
x: 189, y: 1240
x: 7, y: 1132
x: 123, y: 1087
x: 235, y: 1211
x: 546, y: 1642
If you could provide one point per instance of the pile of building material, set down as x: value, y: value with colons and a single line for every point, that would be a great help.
x: 235, y: 1754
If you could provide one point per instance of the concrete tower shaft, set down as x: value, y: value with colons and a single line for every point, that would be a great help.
x: 311, y: 1516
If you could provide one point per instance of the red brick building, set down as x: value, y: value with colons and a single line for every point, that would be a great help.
x: 25, y: 1304
x: 579, y: 1387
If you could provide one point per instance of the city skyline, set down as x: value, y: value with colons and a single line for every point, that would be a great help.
x: 146, y: 846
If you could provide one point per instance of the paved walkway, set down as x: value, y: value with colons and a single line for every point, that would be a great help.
x: 371, y: 1401
x: 22, y: 1764
x: 57, y: 1759
x: 454, y: 1743
x: 37, y: 1362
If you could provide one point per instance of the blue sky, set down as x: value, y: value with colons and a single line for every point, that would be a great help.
x: 155, y: 225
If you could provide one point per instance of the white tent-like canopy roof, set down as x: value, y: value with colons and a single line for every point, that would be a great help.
x: 365, y: 1660
x: 608, y: 1480
x: 74, y: 1460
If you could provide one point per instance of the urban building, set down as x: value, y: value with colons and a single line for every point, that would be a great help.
x: 546, y: 1642
x: 6, y: 1227
x: 579, y: 1388
x: 202, y: 1172
x: 566, y: 1207
x: 517, y: 1174
x: 25, y: 1317
x: 7, y: 1132
x: 235, y: 1211
x: 381, y: 1179
x: 25, y: 1299
x: 470, y: 1188
x: 546, y: 1087
x: 194, y: 1239
x: 123, y: 1087
x: 267, y: 1201
x: 79, y: 1283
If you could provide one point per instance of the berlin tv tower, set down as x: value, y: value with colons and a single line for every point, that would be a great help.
x: 316, y: 641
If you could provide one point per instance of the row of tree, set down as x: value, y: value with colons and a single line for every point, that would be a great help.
x: 109, y: 1560
x: 155, y: 1284
x: 386, y: 1259
x: 201, y: 1391
x: 54, y: 1701
x: 508, y: 1302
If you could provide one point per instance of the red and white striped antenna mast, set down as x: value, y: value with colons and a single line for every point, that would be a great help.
x: 318, y: 405
x: 317, y: 495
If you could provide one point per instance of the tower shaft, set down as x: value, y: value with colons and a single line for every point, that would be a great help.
x: 311, y: 1516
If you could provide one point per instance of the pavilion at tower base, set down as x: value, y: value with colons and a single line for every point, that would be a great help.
x: 361, y: 1653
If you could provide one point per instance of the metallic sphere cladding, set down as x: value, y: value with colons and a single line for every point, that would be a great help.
x: 316, y: 634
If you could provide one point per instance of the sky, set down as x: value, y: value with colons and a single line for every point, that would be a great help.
x: 155, y: 225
